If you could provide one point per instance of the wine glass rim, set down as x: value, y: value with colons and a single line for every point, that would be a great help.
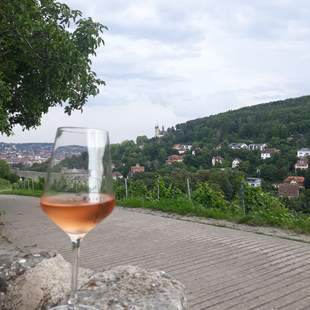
x: 82, y: 130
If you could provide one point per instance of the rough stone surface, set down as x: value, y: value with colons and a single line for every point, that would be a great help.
x: 33, y: 280
x: 43, y: 285
x: 14, y: 263
x: 129, y: 287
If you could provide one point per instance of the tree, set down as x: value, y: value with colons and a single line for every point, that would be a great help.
x: 140, y: 140
x: 4, y: 170
x: 307, y: 179
x: 42, y: 62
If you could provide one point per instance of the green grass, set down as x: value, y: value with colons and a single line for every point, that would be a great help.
x: 177, y: 206
x: 22, y: 192
x: 277, y: 217
x: 5, y: 185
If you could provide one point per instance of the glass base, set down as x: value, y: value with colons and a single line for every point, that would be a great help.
x: 77, y: 307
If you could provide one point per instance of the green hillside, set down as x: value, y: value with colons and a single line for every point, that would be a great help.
x: 284, y: 125
x: 272, y: 122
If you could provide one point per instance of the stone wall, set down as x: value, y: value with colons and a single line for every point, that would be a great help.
x: 33, y: 280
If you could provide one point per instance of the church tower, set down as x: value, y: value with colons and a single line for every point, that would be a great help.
x: 157, y: 131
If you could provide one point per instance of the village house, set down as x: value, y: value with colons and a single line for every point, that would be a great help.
x: 116, y: 175
x: 292, y: 179
x: 182, y: 148
x: 268, y: 153
x: 257, y: 146
x: 235, y: 163
x: 137, y: 169
x: 238, y: 146
x: 304, y: 152
x: 196, y: 151
x: 174, y: 159
x: 288, y: 190
x: 254, y: 182
x: 217, y: 160
x: 302, y: 164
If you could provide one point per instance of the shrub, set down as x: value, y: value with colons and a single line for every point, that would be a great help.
x: 4, y: 184
x: 256, y: 199
x: 208, y: 197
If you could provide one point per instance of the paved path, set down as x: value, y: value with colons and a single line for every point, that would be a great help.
x: 221, y: 268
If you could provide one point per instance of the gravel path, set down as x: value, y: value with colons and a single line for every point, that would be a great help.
x: 222, y: 268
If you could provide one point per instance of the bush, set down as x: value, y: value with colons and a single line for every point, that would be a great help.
x: 182, y: 206
x: 255, y: 199
x: 4, y: 184
x: 13, y: 178
x: 208, y: 197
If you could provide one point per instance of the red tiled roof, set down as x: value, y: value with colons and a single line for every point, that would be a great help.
x: 175, y: 157
x: 295, y: 179
x: 116, y: 174
x: 302, y: 161
x: 137, y: 168
x: 288, y: 190
x: 271, y: 151
x: 218, y: 158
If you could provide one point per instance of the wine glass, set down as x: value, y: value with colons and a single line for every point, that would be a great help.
x: 78, y: 189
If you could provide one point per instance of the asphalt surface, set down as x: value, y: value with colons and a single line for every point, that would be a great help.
x: 221, y: 268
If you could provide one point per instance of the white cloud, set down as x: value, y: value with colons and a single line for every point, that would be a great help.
x: 123, y: 122
x: 170, y: 61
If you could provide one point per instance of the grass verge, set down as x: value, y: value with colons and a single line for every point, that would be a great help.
x: 277, y: 217
x: 22, y: 192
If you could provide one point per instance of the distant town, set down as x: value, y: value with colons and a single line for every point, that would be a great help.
x: 27, y: 154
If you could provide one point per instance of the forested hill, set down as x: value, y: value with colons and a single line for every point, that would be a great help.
x: 269, y: 122
x: 284, y: 125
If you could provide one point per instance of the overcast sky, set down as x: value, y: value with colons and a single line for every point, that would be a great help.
x: 169, y: 61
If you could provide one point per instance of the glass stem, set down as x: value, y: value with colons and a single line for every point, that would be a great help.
x: 72, y: 301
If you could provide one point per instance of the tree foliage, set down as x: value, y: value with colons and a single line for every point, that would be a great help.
x: 208, y: 197
x: 45, y: 60
x: 283, y: 125
x: 6, y: 173
x: 256, y: 199
x: 4, y: 170
x: 272, y: 122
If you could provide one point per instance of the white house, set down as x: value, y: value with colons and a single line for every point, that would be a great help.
x: 254, y: 182
x: 257, y: 146
x: 267, y: 153
x: 235, y: 163
x: 303, y: 152
x: 302, y: 164
x: 174, y: 159
x: 182, y: 148
x: 217, y: 160
x: 116, y: 175
x: 238, y: 146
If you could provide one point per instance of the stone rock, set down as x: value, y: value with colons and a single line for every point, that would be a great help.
x: 33, y: 280
x: 44, y: 285
x: 129, y: 287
